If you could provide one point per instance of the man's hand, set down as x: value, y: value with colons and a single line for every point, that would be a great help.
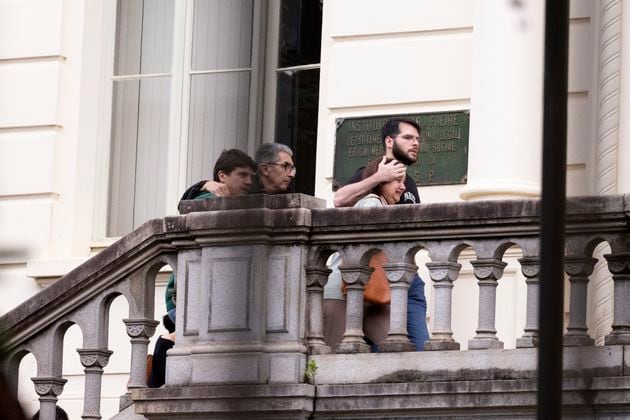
x: 387, y: 172
x: 216, y: 188
x: 349, y: 194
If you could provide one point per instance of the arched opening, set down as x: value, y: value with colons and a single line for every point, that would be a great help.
x: 26, y: 390
x: 71, y: 400
x: 116, y: 373
x: 465, y: 301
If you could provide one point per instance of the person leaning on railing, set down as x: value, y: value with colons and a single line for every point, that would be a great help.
x: 377, y: 295
x: 401, y: 142
x: 235, y: 173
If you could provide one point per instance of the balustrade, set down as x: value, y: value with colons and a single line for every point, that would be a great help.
x: 251, y: 274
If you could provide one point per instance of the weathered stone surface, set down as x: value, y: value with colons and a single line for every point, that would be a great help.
x: 461, y: 365
x: 227, y: 402
x: 496, y: 399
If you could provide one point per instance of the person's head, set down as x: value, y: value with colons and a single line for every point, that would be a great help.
x: 168, y: 323
x: 275, y: 167
x: 390, y: 191
x: 401, y: 140
x: 235, y: 169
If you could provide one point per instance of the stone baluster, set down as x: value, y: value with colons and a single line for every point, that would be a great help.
x: 530, y: 267
x: 355, y: 278
x: 487, y: 271
x: 48, y: 388
x: 316, y: 279
x: 399, y: 276
x: 443, y: 275
x: 140, y: 330
x: 93, y: 360
x: 619, y: 266
x: 579, y: 268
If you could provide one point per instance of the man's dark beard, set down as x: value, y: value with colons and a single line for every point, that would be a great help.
x: 400, y: 156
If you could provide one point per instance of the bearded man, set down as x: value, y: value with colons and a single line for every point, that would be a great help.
x: 401, y: 142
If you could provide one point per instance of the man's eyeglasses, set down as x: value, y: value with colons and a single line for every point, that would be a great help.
x: 288, y: 168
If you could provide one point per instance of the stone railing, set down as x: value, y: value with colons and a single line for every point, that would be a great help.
x: 250, y: 277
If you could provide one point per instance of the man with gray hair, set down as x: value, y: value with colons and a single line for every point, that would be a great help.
x: 275, y: 168
x: 275, y: 173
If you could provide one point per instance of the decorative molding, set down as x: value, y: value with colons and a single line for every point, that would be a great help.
x: 49, y: 386
x: 140, y: 328
x: 94, y: 357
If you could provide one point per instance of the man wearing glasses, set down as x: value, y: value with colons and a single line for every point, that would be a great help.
x: 275, y: 174
x: 275, y: 169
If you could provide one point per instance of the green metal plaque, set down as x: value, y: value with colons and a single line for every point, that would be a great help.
x: 443, y: 157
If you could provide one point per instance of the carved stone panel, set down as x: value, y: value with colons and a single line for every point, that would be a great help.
x: 230, y: 293
x: 277, y: 294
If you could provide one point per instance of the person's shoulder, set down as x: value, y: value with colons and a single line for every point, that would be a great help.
x: 204, y: 194
x: 411, y: 195
x: 370, y: 200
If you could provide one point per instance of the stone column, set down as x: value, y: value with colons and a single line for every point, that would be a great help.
x: 578, y: 268
x: 443, y: 275
x: 506, y: 99
x: 140, y: 330
x: 623, y: 167
x: 487, y: 272
x: 530, y: 267
x: 355, y: 278
x: 316, y: 279
x: 607, y: 153
x: 619, y: 266
x: 48, y: 388
x: 399, y: 276
x: 94, y: 360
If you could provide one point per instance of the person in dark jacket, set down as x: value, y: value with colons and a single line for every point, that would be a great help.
x: 164, y: 343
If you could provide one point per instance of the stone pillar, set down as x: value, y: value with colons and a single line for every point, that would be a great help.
x: 487, y: 272
x: 443, y: 275
x: 578, y: 268
x: 506, y: 99
x: 399, y: 276
x: 316, y: 279
x: 48, y: 388
x: 355, y: 278
x: 607, y: 153
x: 623, y: 166
x: 140, y: 330
x: 530, y: 267
x: 619, y: 266
x: 94, y: 360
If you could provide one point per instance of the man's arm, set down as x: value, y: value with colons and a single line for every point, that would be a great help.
x: 216, y: 188
x: 349, y: 194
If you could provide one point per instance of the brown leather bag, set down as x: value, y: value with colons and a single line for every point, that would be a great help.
x: 377, y: 289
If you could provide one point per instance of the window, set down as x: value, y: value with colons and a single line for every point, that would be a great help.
x: 298, y: 85
x: 187, y: 84
x: 141, y: 97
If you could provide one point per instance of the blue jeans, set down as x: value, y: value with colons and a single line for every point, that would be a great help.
x: 417, y: 314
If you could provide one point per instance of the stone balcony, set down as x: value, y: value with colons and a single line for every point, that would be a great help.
x: 250, y: 277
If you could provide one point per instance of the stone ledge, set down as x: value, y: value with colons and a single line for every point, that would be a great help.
x: 462, y: 365
x: 470, y: 399
x: 254, y: 201
x: 237, y: 401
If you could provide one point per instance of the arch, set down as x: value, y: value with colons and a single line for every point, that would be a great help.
x: 56, y: 350
x: 26, y: 368
x: 104, y: 308
x: 318, y: 255
x: 11, y: 368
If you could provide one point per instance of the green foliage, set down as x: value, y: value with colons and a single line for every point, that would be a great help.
x: 311, y: 371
